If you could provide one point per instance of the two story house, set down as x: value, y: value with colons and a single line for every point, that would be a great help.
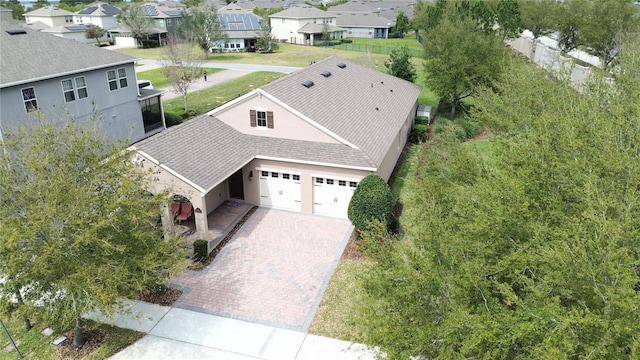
x: 304, y: 25
x: 61, y: 78
x: 300, y: 143
x: 241, y: 26
x: 165, y: 21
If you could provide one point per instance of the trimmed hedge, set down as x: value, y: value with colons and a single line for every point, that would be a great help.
x: 418, y: 133
x: 172, y: 119
x: 200, y: 250
x: 372, y: 200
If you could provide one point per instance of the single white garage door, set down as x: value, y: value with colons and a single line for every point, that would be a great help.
x: 280, y: 190
x: 331, y: 196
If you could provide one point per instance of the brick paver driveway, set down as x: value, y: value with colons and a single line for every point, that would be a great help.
x: 273, y: 271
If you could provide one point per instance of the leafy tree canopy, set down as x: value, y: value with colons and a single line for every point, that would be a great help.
x: 202, y: 26
x: 133, y: 18
x: 402, y: 23
x: 525, y: 245
x: 79, y: 231
x: 400, y: 65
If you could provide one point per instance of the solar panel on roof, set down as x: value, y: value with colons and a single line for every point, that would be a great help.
x: 88, y: 10
x: 110, y: 10
x: 150, y: 10
x: 172, y: 12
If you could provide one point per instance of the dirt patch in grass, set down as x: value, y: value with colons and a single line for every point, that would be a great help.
x: 93, y: 339
x: 352, y: 251
x: 200, y: 265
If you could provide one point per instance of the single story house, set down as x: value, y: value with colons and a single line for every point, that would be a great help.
x: 300, y: 143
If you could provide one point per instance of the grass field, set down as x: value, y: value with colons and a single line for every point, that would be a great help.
x: 335, y: 316
x: 209, y: 98
x: 287, y: 55
x: 33, y: 345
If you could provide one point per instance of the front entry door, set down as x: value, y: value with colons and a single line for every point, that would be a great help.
x: 236, y: 187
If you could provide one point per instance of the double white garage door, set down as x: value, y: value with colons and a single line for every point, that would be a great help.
x: 282, y: 190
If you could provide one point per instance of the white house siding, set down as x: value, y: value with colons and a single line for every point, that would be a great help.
x: 50, y: 20
x: 217, y: 196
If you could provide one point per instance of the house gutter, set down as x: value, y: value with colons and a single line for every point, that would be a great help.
x: 170, y: 171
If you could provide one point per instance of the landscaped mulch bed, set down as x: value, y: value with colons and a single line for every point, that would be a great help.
x: 200, y: 265
x: 166, y: 297
x: 352, y: 251
x: 93, y: 339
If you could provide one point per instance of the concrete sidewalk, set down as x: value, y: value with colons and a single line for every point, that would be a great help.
x: 174, y: 333
x: 199, y: 83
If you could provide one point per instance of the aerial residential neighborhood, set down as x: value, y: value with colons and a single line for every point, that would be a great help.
x: 297, y: 180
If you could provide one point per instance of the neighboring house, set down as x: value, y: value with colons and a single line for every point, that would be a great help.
x: 363, y: 25
x: 301, y: 143
x: 72, y: 32
x: 49, y: 15
x: 99, y: 14
x: 59, y: 77
x: 242, y: 28
x: 165, y: 20
x: 304, y: 25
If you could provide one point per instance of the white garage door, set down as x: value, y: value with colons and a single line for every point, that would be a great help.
x: 280, y: 190
x: 125, y: 41
x: 331, y: 196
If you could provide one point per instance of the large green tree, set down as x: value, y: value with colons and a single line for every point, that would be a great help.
x: 525, y: 245
x: 402, y: 24
x: 202, y: 26
x: 134, y: 19
x: 266, y: 42
x: 537, y: 16
x: 459, y: 57
x: 95, y: 32
x: 16, y: 7
x: 79, y: 231
x: 400, y: 65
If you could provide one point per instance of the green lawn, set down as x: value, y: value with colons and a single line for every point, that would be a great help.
x: 336, y: 315
x: 207, y: 99
x: 33, y: 345
x: 159, y: 80
x: 287, y: 55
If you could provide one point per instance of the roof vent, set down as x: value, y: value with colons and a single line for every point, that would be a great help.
x: 307, y: 84
x: 16, y: 32
x: 326, y: 73
x: 342, y: 65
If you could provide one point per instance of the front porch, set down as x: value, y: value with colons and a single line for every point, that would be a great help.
x: 220, y: 222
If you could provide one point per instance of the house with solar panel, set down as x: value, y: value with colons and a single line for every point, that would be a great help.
x: 304, y: 25
x: 60, y: 78
x: 165, y: 19
x: 242, y: 27
x: 99, y: 14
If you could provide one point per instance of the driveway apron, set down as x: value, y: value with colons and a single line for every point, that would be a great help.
x: 273, y: 271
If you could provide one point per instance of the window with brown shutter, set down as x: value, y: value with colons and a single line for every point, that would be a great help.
x: 270, y: 119
x: 252, y: 118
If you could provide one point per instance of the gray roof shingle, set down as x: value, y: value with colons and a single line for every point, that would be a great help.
x: 302, y: 12
x: 206, y: 151
x: 49, y: 11
x: 362, y: 105
x: 36, y: 56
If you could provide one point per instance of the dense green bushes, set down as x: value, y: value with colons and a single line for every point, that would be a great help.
x: 200, y: 250
x: 372, y: 200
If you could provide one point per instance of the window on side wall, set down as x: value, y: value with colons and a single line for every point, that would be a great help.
x: 261, y: 117
x: 117, y: 79
x: 29, y: 98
